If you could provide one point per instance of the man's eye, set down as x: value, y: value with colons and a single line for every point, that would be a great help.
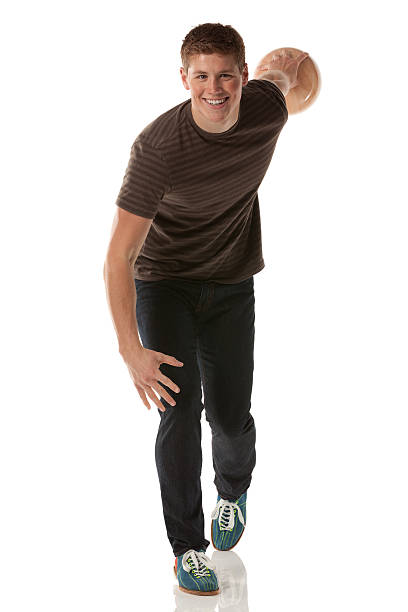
x: 204, y: 75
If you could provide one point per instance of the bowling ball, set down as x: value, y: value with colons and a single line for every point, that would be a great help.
x: 300, y: 97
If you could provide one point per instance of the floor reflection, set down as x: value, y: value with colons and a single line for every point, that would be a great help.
x: 232, y: 581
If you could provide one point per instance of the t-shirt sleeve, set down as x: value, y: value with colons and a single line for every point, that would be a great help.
x: 273, y: 92
x: 145, y: 182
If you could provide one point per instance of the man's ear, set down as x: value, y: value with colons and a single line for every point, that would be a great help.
x: 245, y: 78
x: 184, y: 78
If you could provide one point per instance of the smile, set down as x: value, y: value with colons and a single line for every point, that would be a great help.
x: 215, y: 103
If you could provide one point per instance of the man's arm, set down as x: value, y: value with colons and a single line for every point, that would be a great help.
x: 278, y: 77
x: 129, y: 231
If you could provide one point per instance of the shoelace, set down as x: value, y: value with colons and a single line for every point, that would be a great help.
x: 197, y: 562
x: 225, y: 510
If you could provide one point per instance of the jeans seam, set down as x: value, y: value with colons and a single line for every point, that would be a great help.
x: 198, y: 307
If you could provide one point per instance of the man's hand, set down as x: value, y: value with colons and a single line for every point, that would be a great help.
x: 284, y: 62
x: 143, y: 365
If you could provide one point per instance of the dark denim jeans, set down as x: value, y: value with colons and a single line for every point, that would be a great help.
x: 210, y: 327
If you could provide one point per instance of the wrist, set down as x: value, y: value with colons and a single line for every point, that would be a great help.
x: 130, y: 348
x: 278, y: 77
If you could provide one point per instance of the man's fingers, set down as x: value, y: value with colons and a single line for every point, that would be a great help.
x: 169, y: 383
x: 163, y: 393
x: 143, y: 397
x: 154, y: 397
x: 170, y: 360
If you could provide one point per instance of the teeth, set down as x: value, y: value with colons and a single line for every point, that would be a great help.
x: 215, y: 102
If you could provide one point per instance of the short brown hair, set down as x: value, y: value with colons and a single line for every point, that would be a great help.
x: 209, y: 38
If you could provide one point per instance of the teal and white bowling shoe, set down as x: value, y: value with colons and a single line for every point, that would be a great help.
x: 228, y: 522
x: 195, y: 573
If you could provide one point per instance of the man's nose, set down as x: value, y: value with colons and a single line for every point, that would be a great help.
x: 214, y: 84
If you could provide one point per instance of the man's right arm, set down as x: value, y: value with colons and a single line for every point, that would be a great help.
x: 129, y: 232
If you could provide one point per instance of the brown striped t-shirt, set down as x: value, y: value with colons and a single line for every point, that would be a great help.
x: 201, y: 189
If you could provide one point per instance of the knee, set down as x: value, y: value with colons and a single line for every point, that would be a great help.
x: 231, y: 427
x: 187, y: 409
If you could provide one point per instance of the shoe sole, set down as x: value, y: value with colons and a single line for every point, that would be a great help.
x: 196, y: 592
x: 224, y: 549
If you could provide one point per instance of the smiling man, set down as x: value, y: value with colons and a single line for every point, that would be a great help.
x: 185, y: 246
x: 216, y: 86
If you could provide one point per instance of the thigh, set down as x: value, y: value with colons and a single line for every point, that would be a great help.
x: 166, y: 324
x: 226, y: 352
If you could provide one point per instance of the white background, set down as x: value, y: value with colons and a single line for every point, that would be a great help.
x: 81, y: 516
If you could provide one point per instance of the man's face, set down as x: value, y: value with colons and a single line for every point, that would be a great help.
x: 214, y: 77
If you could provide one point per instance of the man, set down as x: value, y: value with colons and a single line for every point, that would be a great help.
x: 186, y: 242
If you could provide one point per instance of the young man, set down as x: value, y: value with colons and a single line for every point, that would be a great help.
x: 186, y: 240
